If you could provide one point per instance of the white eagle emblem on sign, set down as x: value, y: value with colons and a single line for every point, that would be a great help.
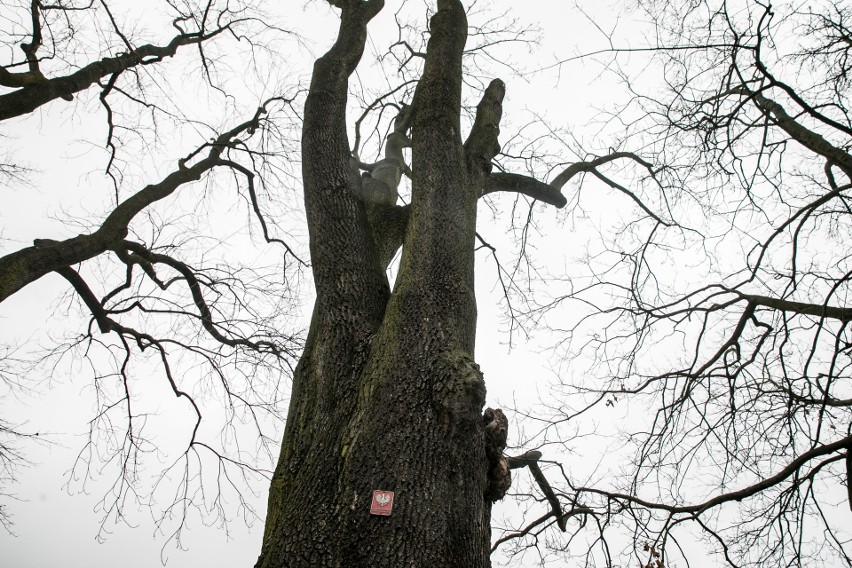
x: 383, y: 499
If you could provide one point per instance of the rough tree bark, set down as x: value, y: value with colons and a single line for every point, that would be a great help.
x: 387, y: 394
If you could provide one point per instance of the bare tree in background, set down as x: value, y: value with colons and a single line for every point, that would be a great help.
x: 716, y: 317
x: 157, y: 284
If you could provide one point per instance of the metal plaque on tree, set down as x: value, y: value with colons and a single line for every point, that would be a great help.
x: 382, y: 503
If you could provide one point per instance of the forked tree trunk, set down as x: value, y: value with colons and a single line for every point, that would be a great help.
x: 386, y: 395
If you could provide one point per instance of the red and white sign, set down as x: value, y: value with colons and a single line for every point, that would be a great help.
x: 382, y: 503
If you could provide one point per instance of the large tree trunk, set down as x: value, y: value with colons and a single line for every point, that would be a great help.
x: 386, y: 395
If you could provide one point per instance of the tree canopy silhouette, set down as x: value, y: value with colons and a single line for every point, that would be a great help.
x: 699, y: 323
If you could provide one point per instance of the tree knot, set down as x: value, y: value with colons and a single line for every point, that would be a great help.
x: 459, y: 389
x: 499, y: 474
